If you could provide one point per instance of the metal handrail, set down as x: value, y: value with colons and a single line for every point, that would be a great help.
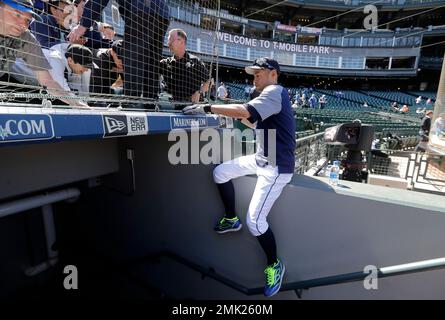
x: 401, y: 269
x: 297, y: 286
x: 313, y: 136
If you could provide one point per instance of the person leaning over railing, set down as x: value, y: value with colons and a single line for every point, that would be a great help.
x: 68, y: 65
x: 110, y: 68
x: 146, y: 23
x: 185, y: 75
x: 55, y: 22
x: 51, y: 31
x: 16, y: 41
x: 50, y: 28
x: 93, y: 39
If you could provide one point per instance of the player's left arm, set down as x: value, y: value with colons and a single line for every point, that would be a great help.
x: 260, y: 108
x: 237, y: 111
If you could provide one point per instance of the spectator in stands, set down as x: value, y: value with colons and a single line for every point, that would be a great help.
x: 304, y: 101
x: 297, y: 99
x: 55, y: 21
x: 67, y: 67
x: 110, y: 67
x: 418, y: 99
x: 146, y: 23
x: 313, y: 101
x: 424, y: 131
x: 184, y: 74
x: 395, y: 107
x: 429, y: 101
x: 222, y: 91
x: 421, y: 111
x: 295, y: 105
x: 322, y: 101
x: 50, y: 29
x: 365, y: 105
x: 16, y: 41
x: 229, y: 96
x: 405, y: 109
x: 212, y: 89
x: 61, y: 71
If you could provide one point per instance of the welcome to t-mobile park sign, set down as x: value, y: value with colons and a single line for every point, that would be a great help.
x: 272, y: 45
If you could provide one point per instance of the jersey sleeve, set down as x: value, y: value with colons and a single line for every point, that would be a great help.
x: 268, y: 102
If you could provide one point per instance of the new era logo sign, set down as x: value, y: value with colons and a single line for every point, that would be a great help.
x: 138, y: 124
x: 125, y: 125
x: 115, y: 126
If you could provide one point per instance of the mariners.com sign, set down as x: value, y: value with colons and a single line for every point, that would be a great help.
x: 25, y: 128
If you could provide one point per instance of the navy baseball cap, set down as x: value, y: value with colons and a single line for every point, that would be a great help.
x: 22, y: 5
x: 263, y: 63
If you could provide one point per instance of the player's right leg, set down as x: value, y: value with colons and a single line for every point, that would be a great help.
x: 269, y: 186
x: 223, y: 175
x: 235, y: 168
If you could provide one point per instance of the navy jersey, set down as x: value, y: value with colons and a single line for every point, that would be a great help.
x: 49, y: 33
x: 272, y: 113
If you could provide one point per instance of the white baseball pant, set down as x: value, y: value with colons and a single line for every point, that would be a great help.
x: 268, y: 188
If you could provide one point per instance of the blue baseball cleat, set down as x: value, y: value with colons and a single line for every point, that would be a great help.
x: 228, y: 225
x: 274, y: 277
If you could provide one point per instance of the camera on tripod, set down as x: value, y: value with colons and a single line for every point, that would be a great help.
x: 355, y: 137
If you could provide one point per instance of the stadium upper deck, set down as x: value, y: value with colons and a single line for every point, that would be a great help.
x: 346, y: 4
x: 308, y: 40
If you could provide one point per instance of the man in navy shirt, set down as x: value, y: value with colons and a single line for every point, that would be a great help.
x: 17, y: 42
x: 55, y: 21
x: 271, y: 114
x: 146, y: 23
x: 50, y: 30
